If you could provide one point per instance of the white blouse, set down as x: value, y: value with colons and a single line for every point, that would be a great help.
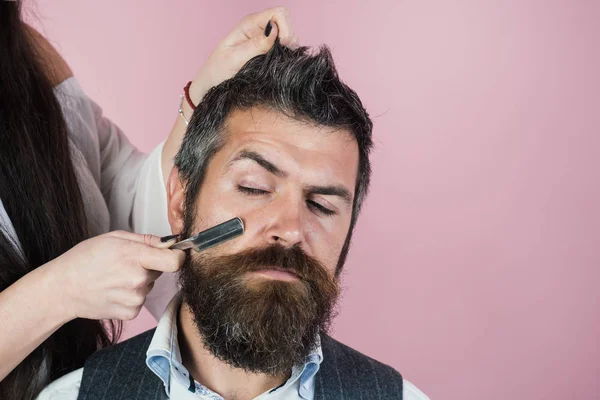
x: 121, y: 187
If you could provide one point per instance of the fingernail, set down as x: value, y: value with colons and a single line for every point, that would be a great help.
x: 268, y: 28
x: 166, y: 239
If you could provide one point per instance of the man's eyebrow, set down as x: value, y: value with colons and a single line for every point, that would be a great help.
x: 334, y: 190
x: 260, y: 160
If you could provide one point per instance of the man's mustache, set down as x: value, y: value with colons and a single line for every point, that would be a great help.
x: 291, y: 259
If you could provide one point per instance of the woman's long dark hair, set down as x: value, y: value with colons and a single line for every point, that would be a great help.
x: 40, y: 193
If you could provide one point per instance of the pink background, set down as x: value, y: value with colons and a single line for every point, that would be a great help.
x: 475, y: 267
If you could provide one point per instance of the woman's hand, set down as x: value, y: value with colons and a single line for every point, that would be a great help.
x: 247, y: 40
x: 109, y: 276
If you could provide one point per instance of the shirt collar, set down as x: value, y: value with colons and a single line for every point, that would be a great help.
x: 163, y: 355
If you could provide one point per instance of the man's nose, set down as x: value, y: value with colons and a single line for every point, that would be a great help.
x: 287, y: 225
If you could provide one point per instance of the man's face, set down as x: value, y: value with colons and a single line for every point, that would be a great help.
x: 290, y: 182
x: 260, y: 299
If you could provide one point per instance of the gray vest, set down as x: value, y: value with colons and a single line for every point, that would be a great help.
x: 120, y: 373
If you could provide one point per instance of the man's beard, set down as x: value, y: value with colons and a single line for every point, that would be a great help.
x: 254, y: 323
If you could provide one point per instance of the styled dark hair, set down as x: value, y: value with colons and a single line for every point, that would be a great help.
x: 42, y: 199
x: 299, y: 84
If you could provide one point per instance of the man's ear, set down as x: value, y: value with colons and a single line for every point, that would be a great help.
x: 175, y: 201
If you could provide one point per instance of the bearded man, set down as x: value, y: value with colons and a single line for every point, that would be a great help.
x: 284, y: 145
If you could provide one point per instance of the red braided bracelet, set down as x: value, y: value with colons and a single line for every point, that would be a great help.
x: 186, y: 91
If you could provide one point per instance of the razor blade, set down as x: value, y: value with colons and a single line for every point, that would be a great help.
x: 213, y: 236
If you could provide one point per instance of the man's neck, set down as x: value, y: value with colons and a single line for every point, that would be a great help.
x: 215, y: 374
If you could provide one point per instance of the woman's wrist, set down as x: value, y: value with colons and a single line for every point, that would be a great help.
x: 202, y: 83
x: 55, y: 291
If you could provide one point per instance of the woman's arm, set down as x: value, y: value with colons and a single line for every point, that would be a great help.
x: 106, y: 277
x: 30, y: 311
x: 244, y: 42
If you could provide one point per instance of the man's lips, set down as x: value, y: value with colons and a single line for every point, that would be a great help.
x: 279, y: 274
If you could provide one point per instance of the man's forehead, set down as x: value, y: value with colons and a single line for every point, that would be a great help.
x: 283, y: 139
x: 263, y: 126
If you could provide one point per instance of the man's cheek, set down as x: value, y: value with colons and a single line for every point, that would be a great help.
x: 328, y: 251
